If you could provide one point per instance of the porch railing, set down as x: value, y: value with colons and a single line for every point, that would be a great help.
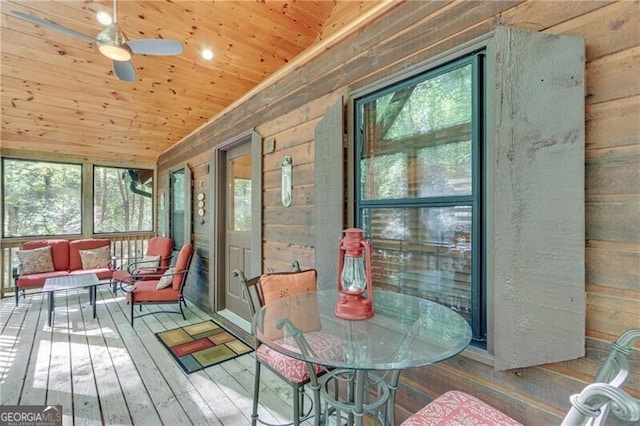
x: 123, y: 247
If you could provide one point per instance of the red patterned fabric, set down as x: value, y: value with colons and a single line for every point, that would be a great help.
x: 455, y: 408
x: 293, y: 369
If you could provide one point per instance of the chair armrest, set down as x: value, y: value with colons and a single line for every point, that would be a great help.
x: 140, y: 264
x: 597, y: 400
x: 138, y: 276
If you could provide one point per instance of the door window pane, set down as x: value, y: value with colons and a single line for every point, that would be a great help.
x: 241, y: 192
x: 41, y: 198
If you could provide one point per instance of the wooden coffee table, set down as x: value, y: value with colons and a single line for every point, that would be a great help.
x: 71, y: 282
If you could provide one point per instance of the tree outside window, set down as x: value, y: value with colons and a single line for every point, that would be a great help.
x: 122, y: 200
x: 41, y: 198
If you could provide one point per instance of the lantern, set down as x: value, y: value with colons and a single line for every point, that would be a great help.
x: 355, y: 299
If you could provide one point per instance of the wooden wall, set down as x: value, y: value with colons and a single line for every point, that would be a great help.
x: 288, y: 110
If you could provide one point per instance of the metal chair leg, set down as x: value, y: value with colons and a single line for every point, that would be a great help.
x: 296, y: 406
x: 256, y: 392
x: 131, y: 312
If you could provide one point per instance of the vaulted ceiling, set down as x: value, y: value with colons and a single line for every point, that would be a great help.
x: 60, y: 95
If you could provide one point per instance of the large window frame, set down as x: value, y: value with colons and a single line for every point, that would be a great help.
x: 534, y: 228
x: 87, y: 195
x: 474, y: 200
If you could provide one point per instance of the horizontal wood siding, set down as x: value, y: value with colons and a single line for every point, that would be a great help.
x: 287, y: 111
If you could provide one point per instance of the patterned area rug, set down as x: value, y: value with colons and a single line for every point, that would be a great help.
x: 201, y: 345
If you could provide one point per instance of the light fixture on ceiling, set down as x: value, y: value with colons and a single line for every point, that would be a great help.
x: 112, y: 43
x: 104, y: 17
x: 207, y: 54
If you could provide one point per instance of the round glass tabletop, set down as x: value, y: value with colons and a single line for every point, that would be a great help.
x: 405, y: 331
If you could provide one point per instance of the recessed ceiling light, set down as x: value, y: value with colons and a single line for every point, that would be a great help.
x: 104, y: 18
x: 207, y: 54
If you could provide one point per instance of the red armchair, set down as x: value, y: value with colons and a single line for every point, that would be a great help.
x: 166, y: 288
x: 154, y: 262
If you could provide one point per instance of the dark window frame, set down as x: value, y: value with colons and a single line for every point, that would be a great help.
x: 477, y: 198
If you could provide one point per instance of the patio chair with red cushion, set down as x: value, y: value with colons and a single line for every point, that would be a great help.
x: 166, y: 288
x: 154, y: 262
x: 260, y: 291
x: 590, y: 407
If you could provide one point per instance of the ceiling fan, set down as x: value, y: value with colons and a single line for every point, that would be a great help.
x: 113, y: 44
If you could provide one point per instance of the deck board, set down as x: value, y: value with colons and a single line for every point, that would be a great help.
x: 103, y: 371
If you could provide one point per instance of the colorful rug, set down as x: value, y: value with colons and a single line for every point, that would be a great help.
x: 201, y: 345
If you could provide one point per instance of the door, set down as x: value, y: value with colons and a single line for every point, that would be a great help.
x: 237, y: 226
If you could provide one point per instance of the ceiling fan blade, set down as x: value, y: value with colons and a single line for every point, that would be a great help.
x: 124, y: 70
x: 53, y: 26
x: 158, y: 47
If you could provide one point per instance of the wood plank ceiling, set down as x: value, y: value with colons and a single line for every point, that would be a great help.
x: 61, y: 97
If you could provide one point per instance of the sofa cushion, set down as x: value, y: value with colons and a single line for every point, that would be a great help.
x: 101, y: 273
x: 35, y: 261
x: 37, y: 280
x: 95, y: 258
x: 59, y: 251
x: 75, y: 262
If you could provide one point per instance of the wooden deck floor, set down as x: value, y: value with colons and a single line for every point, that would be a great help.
x: 103, y: 371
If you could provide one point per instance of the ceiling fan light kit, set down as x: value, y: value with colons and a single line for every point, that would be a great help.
x: 113, y: 44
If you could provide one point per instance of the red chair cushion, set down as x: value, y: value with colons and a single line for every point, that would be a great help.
x: 59, y: 252
x: 459, y: 408
x: 145, y: 291
x: 160, y: 246
x: 182, y: 264
x: 75, y: 262
x: 295, y: 370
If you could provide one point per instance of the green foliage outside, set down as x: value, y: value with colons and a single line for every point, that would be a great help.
x: 41, y: 198
x: 45, y: 199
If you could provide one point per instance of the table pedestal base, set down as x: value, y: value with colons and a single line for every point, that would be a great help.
x: 363, y: 392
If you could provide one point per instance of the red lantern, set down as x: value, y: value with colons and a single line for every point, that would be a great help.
x: 355, y: 300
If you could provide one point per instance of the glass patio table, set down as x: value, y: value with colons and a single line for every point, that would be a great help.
x: 366, y: 356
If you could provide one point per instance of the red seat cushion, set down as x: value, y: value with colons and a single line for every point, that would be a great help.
x: 145, y: 291
x: 101, y: 273
x: 292, y: 369
x: 37, y: 280
x: 459, y: 408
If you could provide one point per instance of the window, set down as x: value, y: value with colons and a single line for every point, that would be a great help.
x: 419, y: 186
x: 41, y: 198
x: 122, y: 200
x: 180, y: 211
